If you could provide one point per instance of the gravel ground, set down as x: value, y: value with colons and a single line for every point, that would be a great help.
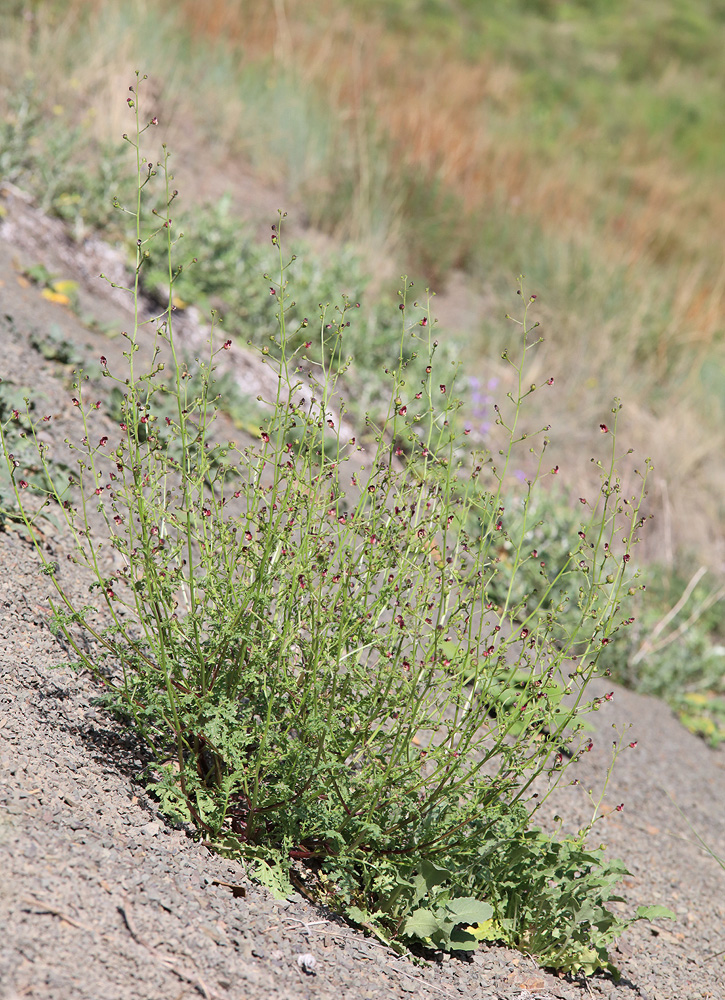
x: 101, y: 898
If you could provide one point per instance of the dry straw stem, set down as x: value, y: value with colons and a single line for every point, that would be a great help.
x: 651, y: 645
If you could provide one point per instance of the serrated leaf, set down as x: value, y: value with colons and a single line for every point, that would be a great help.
x: 367, y: 920
x: 585, y: 961
x: 357, y: 915
x: 273, y: 878
x: 430, y: 876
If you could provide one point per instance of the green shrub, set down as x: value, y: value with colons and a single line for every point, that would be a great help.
x: 300, y: 628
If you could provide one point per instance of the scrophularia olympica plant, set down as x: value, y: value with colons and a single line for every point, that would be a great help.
x: 349, y: 663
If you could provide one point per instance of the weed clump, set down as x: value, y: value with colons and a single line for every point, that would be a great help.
x: 349, y: 665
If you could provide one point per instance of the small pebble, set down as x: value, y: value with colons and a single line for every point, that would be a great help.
x: 307, y: 963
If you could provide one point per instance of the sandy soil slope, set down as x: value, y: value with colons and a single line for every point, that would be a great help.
x: 101, y: 898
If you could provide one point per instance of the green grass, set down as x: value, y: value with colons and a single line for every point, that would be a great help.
x: 604, y: 73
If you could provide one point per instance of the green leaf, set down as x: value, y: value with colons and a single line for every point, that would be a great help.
x: 422, y: 923
x: 369, y: 922
x: 433, y: 875
x: 469, y: 910
x: 273, y: 878
x: 461, y: 939
x: 489, y: 930
x: 654, y: 913
x: 586, y: 961
x: 357, y: 915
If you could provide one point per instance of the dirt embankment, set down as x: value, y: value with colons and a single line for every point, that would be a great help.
x: 101, y: 898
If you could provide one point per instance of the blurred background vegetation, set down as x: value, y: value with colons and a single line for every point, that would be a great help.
x: 461, y: 142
